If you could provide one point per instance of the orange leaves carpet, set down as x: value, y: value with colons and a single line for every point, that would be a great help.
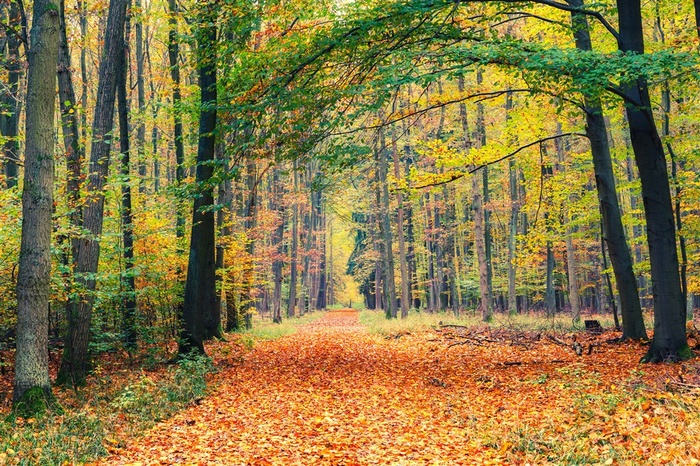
x: 332, y: 394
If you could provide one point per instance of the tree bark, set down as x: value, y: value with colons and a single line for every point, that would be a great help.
x: 202, y: 318
x: 250, y: 221
x: 669, y: 342
x: 294, y: 247
x: 34, y: 276
x: 549, y: 297
x: 410, y: 236
x: 141, y: 96
x: 613, y: 230
x: 82, y: 12
x: 385, y: 230
x: 10, y: 101
x: 571, y: 269
x: 277, y: 242
x: 481, y: 236
x: 128, y: 284
x: 173, y: 57
x: 74, y: 364
x: 513, y: 223
x: 74, y: 151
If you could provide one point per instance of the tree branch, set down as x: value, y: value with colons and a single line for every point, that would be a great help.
x: 458, y: 175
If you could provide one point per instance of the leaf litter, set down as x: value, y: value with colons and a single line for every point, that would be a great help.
x: 334, y: 394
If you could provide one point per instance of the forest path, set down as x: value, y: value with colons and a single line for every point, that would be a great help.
x: 329, y: 394
x: 334, y: 394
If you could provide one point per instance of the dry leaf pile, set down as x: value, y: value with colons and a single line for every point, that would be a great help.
x: 334, y: 394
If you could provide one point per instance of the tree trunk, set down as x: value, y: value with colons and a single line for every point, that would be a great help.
x: 127, y: 279
x: 613, y: 230
x: 410, y: 237
x: 571, y: 269
x: 479, y: 240
x: 173, y: 56
x: 330, y: 280
x: 74, y: 364
x: 403, y: 259
x: 10, y: 99
x: 295, y: 247
x: 82, y: 12
x: 141, y: 96
x: 549, y: 298
x: 606, y: 275
x: 669, y: 342
x: 34, y: 276
x: 202, y: 320
x: 385, y: 230
x: 75, y: 153
x: 277, y: 243
x: 481, y: 237
x: 666, y: 135
x: 513, y: 223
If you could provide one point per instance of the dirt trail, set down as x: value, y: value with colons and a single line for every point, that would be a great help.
x: 334, y: 394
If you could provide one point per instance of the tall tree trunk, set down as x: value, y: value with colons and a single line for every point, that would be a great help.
x: 127, y: 279
x: 223, y: 215
x: 250, y: 221
x: 294, y: 253
x: 549, y: 297
x: 666, y: 135
x: 606, y: 274
x: 34, y: 276
x: 75, y: 153
x: 430, y: 238
x: 141, y: 96
x: 385, y: 229
x: 450, y: 290
x: 669, y: 342
x: 10, y: 102
x: 330, y: 280
x: 74, y: 364
x: 277, y: 244
x: 410, y: 237
x: 613, y: 230
x: 481, y: 236
x: 173, y: 56
x: 571, y: 269
x: 82, y: 12
x: 202, y: 319
x: 479, y: 240
x: 513, y: 223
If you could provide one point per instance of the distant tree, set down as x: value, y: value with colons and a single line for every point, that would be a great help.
x: 10, y: 100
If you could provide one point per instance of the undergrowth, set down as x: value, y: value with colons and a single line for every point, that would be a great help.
x: 266, y: 330
x: 83, y: 434
x: 376, y: 321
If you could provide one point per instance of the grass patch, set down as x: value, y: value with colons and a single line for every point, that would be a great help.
x: 72, y: 438
x: 266, y: 330
x: 376, y: 321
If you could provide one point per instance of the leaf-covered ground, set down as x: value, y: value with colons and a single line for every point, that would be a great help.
x: 335, y: 394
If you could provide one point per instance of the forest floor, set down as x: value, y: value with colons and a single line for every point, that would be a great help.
x: 333, y: 393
